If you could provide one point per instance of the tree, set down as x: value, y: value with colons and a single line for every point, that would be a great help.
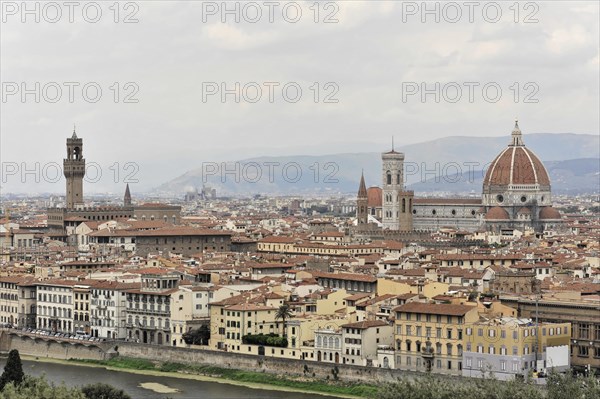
x: 199, y: 336
x: 284, y: 312
x: 13, y: 370
x: 103, y: 391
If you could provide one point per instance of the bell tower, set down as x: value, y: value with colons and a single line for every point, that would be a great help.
x: 362, y: 203
x: 393, y: 184
x: 74, y: 170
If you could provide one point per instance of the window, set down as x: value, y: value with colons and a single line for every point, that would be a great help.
x: 503, y: 365
x: 583, y: 351
x: 584, y: 331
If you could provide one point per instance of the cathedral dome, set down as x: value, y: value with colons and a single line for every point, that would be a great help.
x: 549, y: 213
x: 516, y: 166
x: 497, y: 213
x: 374, y: 197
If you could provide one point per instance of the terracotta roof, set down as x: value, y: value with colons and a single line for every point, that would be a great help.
x: 279, y: 239
x: 516, y: 165
x: 437, y: 309
x: 356, y: 297
x: 497, y: 213
x: 249, y: 306
x: 346, y: 276
x: 549, y: 213
x: 366, y: 324
x: 182, y: 231
x: 374, y: 197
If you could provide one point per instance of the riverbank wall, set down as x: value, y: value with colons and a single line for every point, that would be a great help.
x: 47, y: 347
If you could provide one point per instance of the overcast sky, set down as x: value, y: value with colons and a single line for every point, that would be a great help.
x: 374, y: 55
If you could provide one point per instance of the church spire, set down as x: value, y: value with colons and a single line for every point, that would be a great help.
x: 74, y: 136
x: 127, y: 197
x: 362, y: 188
x: 516, y: 136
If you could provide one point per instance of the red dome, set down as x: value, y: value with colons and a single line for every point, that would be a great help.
x: 524, y: 211
x: 516, y: 165
x: 374, y: 197
x: 549, y: 213
x: 497, y: 213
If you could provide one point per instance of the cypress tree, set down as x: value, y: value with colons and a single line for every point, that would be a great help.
x: 13, y: 370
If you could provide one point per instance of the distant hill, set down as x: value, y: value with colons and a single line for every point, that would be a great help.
x: 573, y: 161
x: 573, y: 176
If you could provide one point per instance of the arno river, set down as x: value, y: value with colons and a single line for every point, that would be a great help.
x: 147, y: 386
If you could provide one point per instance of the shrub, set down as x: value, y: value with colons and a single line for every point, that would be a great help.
x: 103, y: 391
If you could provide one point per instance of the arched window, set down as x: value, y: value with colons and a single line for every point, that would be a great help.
x: 403, y: 205
x: 388, y: 177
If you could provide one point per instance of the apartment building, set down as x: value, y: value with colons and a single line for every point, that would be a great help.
x: 190, y: 309
x: 108, y: 305
x: 429, y: 337
x: 148, y: 308
x: 55, y: 305
x: 361, y: 340
x: 510, y: 346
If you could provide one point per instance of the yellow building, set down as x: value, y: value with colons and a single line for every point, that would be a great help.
x: 429, y: 337
x: 509, y: 346
x: 232, y: 318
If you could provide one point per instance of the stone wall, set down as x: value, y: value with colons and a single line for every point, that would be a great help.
x: 279, y: 366
x: 47, y: 347
x: 40, y: 347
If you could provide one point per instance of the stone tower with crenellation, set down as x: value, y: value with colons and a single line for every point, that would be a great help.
x: 74, y: 170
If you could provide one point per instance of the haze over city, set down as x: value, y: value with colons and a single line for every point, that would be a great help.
x: 373, y: 55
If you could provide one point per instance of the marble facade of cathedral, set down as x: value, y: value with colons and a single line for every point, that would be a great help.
x: 516, y: 194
